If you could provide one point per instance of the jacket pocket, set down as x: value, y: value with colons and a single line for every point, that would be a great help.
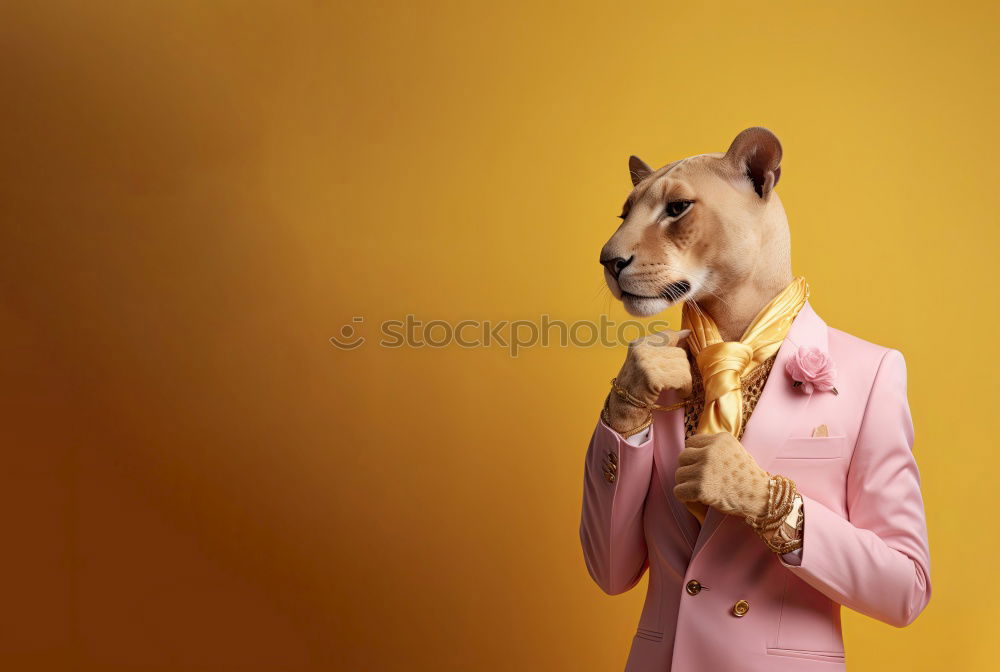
x: 813, y: 448
x: 649, y: 635
x: 809, y: 624
x: 826, y: 656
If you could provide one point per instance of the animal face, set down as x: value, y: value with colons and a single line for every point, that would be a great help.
x: 698, y: 227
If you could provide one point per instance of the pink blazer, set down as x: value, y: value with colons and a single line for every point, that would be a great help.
x: 865, y: 539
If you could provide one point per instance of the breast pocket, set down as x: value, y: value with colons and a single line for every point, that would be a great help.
x: 813, y: 448
x: 818, y: 465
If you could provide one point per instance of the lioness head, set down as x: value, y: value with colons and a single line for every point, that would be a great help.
x: 704, y: 228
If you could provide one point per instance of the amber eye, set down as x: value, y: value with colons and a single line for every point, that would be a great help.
x: 676, y: 208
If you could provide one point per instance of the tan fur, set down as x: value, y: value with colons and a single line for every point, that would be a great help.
x: 732, y: 246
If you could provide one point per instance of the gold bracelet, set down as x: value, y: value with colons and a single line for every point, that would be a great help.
x: 606, y: 417
x: 627, y: 396
x: 781, y: 494
x: 639, y: 403
x: 782, y: 542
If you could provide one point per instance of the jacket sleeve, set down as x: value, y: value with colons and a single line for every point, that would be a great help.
x: 614, y: 546
x: 876, y: 561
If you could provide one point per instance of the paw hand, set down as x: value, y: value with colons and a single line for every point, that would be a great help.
x: 715, y: 470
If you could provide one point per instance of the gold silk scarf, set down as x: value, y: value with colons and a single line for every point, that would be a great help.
x: 723, y: 363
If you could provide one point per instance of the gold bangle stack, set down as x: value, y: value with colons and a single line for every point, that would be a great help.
x: 638, y: 403
x: 781, y: 495
x: 785, y: 542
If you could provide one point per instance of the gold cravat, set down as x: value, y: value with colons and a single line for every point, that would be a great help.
x: 723, y: 363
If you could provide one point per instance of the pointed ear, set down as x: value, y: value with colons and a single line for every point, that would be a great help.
x: 638, y: 169
x: 756, y: 153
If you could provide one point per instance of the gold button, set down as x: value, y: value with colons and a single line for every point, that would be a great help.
x: 609, y: 477
x: 613, y: 458
x: 741, y: 608
x: 693, y: 587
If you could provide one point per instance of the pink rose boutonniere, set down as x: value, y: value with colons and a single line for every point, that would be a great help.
x: 811, y: 368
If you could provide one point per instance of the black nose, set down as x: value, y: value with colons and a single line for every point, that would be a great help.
x: 616, y: 264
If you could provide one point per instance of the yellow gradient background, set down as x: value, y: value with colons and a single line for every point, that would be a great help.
x: 197, y: 195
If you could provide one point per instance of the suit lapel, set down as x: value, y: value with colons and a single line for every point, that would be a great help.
x: 665, y: 452
x: 779, y: 404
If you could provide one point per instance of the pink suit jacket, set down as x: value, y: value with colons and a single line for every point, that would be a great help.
x: 864, y: 543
